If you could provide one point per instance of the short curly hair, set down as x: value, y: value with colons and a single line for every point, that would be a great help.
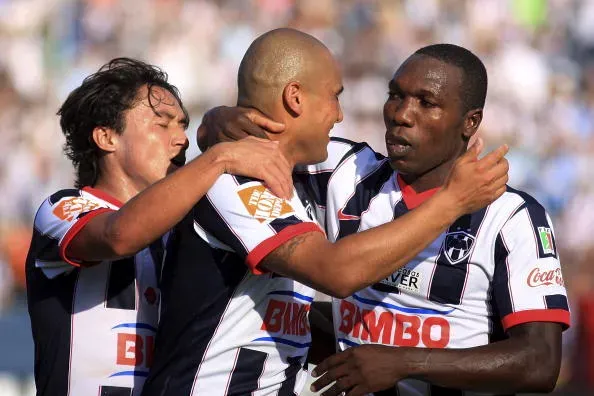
x: 102, y: 101
x: 473, y: 90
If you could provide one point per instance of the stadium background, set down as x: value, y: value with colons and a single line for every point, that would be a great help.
x: 539, y: 55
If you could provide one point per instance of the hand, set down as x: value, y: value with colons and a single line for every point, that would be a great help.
x: 258, y: 158
x: 225, y: 124
x: 472, y: 183
x: 360, y: 370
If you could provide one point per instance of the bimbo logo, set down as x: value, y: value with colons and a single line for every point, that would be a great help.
x: 457, y: 246
x: 262, y: 204
x: 393, y: 328
x: 134, y: 351
x: 286, y: 318
x: 545, y: 278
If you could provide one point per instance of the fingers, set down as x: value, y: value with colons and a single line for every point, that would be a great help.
x: 329, y: 377
x: 278, y: 182
x: 341, y: 385
x: 274, y: 169
x: 264, y: 122
x: 247, y: 127
x: 494, y: 156
x: 329, y: 363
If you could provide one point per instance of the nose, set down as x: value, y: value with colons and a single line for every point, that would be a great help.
x: 340, y: 115
x: 180, y: 139
x: 402, y: 112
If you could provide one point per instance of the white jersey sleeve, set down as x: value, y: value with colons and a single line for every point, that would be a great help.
x: 242, y: 214
x: 528, y: 283
x: 59, y: 218
x: 317, y: 177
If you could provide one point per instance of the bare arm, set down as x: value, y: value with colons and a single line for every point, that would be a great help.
x: 528, y: 361
x: 158, y: 208
x: 356, y: 261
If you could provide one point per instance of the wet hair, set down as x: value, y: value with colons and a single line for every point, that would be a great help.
x: 102, y: 101
x: 473, y: 90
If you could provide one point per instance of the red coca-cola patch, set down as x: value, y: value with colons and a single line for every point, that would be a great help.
x: 536, y: 278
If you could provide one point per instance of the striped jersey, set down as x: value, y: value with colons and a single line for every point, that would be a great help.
x: 227, y: 327
x: 491, y: 270
x: 93, y: 326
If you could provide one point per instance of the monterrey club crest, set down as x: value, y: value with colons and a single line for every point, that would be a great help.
x: 457, y: 246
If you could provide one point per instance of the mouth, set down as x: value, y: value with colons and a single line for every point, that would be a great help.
x: 397, y: 146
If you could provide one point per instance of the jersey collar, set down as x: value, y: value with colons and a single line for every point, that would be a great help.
x: 103, y: 195
x: 411, y: 198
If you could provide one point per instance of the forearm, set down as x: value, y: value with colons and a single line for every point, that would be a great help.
x: 508, y: 366
x: 365, y: 258
x: 157, y: 209
x: 148, y: 215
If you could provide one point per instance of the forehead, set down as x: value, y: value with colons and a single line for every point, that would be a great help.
x: 327, y: 70
x: 159, y: 98
x: 421, y: 72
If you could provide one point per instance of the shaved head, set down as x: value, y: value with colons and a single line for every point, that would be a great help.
x: 275, y: 59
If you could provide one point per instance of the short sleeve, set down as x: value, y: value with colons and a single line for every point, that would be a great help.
x: 528, y: 282
x: 59, y: 218
x: 244, y: 215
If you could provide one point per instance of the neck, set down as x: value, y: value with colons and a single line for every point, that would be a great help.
x: 432, y: 178
x: 118, y: 186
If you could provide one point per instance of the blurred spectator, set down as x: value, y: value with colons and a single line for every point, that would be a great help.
x: 539, y: 55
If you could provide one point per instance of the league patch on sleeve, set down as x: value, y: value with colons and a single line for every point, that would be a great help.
x: 546, y: 240
x: 262, y: 204
x: 69, y: 209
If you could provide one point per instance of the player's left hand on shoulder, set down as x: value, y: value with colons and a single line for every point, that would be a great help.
x: 226, y: 124
x: 358, y: 371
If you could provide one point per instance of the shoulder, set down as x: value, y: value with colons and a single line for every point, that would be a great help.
x: 65, y: 206
x: 516, y: 201
x: 341, y: 149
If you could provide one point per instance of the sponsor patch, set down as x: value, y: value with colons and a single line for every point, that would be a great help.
x: 404, y: 279
x: 537, y: 277
x: 457, y: 246
x: 262, y: 204
x: 546, y: 240
x: 69, y: 209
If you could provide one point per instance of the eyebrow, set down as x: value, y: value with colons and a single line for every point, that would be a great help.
x: 184, y: 120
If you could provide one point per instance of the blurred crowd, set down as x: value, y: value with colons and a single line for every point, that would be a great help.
x: 539, y: 56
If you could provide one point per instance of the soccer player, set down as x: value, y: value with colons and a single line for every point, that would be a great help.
x: 238, y: 324
x: 92, y: 288
x: 483, y: 307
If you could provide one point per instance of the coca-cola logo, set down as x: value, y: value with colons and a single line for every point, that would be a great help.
x: 545, y: 278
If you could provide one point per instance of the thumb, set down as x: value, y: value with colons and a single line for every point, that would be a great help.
x: 265, y: 122
x: 474, y: 151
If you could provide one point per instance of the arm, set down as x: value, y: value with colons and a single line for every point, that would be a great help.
x: 356, y: 261
x: 122, y: 233
x: 528, y: 361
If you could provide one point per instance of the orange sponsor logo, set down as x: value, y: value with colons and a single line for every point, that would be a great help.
x: 262, y: 204
x: 70, y: 208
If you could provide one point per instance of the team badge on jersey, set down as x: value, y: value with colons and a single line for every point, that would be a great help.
x: 546, y: 240
x: 70, y: 208
x: 457, y: 246
x: 262, y: 204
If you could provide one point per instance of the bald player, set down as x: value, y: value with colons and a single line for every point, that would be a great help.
x: 242, y: 267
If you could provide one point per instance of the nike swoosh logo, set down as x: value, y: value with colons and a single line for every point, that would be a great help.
x: 342, y: 216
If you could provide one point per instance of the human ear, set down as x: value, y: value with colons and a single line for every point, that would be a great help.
x: 472, y: 120
x: 293, y: 98
x: 105, y: 138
